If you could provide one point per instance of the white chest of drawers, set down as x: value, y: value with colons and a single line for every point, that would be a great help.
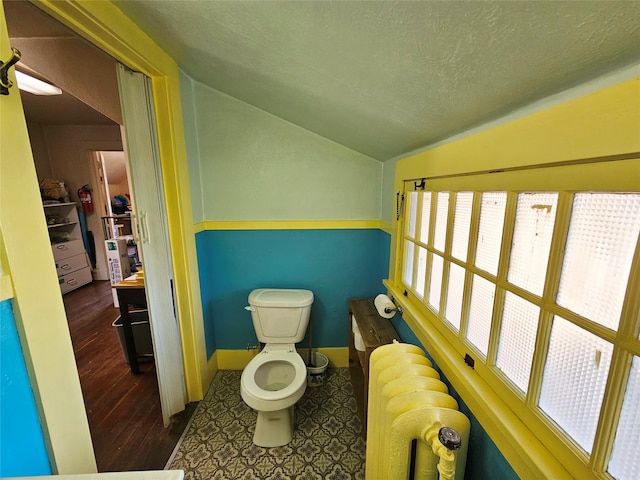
x: 68, y: 249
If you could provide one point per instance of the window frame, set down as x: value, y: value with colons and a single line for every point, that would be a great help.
x: 608, y: 175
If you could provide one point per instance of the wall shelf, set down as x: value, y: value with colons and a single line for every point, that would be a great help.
x: 66, y: 224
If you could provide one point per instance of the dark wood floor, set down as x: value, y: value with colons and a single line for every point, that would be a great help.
x: 124, y: 410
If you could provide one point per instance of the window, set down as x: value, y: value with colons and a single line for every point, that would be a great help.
x: 539, y: 286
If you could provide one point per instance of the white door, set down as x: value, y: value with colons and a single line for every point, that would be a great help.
x: 141, y: 147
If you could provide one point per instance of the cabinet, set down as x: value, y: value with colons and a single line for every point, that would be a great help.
x: 69, y: 254
x: 375, y: 331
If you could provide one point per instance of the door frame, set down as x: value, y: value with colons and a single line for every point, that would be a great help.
x: 104, y: 25
x: 94, y: 222
x: 36, y: 301
x: 109, y: 29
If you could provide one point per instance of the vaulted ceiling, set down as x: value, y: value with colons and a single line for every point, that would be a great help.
x: 381, y: 77
x: 387, y: 77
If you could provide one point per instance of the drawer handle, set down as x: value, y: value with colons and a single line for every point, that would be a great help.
x: 72, y: 281
x: 62, y: 247
x: 66, y: 266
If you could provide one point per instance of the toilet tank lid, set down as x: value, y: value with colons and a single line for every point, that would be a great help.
x: 275, y: 297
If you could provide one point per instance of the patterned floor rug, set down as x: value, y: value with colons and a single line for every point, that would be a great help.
x: 327, y: 443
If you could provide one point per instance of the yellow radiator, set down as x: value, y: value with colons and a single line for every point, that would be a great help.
x: 407, y: 401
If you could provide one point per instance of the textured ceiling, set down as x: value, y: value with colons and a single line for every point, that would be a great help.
x: 385, y: 78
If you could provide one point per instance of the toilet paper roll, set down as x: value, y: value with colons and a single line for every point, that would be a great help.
x: 386, y: 308
x: 357, y: 337
x: 358, y: 342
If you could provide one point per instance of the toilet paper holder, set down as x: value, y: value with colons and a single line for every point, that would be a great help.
x: 397, y: 308
x: 386, y: 306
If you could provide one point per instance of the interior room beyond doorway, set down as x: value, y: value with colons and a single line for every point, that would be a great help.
x: 116, y: 196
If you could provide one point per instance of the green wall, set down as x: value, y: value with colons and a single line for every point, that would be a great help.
x: 388, y: 193
x: 246, y: 164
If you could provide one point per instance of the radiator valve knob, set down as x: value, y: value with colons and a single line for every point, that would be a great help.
x: 449, y: 438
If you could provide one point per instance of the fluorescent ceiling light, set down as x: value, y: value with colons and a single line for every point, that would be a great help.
x: 35, y: 86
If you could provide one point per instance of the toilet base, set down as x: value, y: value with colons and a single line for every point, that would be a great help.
x: 274, y: 429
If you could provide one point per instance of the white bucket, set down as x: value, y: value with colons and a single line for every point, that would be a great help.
x: 317, y: 370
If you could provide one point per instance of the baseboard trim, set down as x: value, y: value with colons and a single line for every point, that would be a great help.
x: 238, y: 359
x: 211, y: 370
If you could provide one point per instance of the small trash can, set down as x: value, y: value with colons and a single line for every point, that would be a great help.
x: 141, y: 335
x: 317, y: 370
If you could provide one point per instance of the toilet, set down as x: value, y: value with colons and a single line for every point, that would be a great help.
x: 276, y: 378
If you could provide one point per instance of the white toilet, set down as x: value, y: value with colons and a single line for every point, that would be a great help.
x: 276, y: 378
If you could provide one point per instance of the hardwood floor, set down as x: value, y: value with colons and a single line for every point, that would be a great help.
x: 123, y: 410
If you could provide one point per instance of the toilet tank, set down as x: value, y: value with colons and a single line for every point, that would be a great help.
x: 280, y: 315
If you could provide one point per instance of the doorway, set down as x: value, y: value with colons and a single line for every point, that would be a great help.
x: 115, y: 201
x: 60, y: 148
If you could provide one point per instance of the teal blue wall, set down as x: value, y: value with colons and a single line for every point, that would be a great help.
x: 22, y: 447
x: 334, y: 264
x: 484, y: 460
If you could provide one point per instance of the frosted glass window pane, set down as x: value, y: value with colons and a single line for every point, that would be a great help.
x: 412, y: 199
x: 426, y: 214
x: 574, y: 379
x: 480, y: 312
x: 517, y: 339
x: 453, y: 307
x: 490, y: 231
x: 422, y: 271
x: 535, y: 216
x: 625, y: 459
x: 442, y: 211
x: 461, y: 225
x: 602, y: 238
x: 407, y: 276
x: 435, y: 286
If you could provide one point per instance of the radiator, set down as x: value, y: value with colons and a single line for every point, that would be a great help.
x: 407, y: 401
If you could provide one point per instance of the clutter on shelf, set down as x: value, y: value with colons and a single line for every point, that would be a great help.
x: 120, y: 204
x: 54, y: 189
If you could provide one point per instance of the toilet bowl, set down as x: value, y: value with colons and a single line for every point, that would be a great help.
x: 272, y: 383
x: 276, y: 378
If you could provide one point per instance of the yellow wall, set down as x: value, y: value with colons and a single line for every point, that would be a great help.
x: 6, y: 287
x: 37, y: 302
x: 287, y: 225
x: 238, y: 359
x: 601, y: 126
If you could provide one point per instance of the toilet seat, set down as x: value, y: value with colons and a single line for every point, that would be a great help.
x: 291, y: 357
